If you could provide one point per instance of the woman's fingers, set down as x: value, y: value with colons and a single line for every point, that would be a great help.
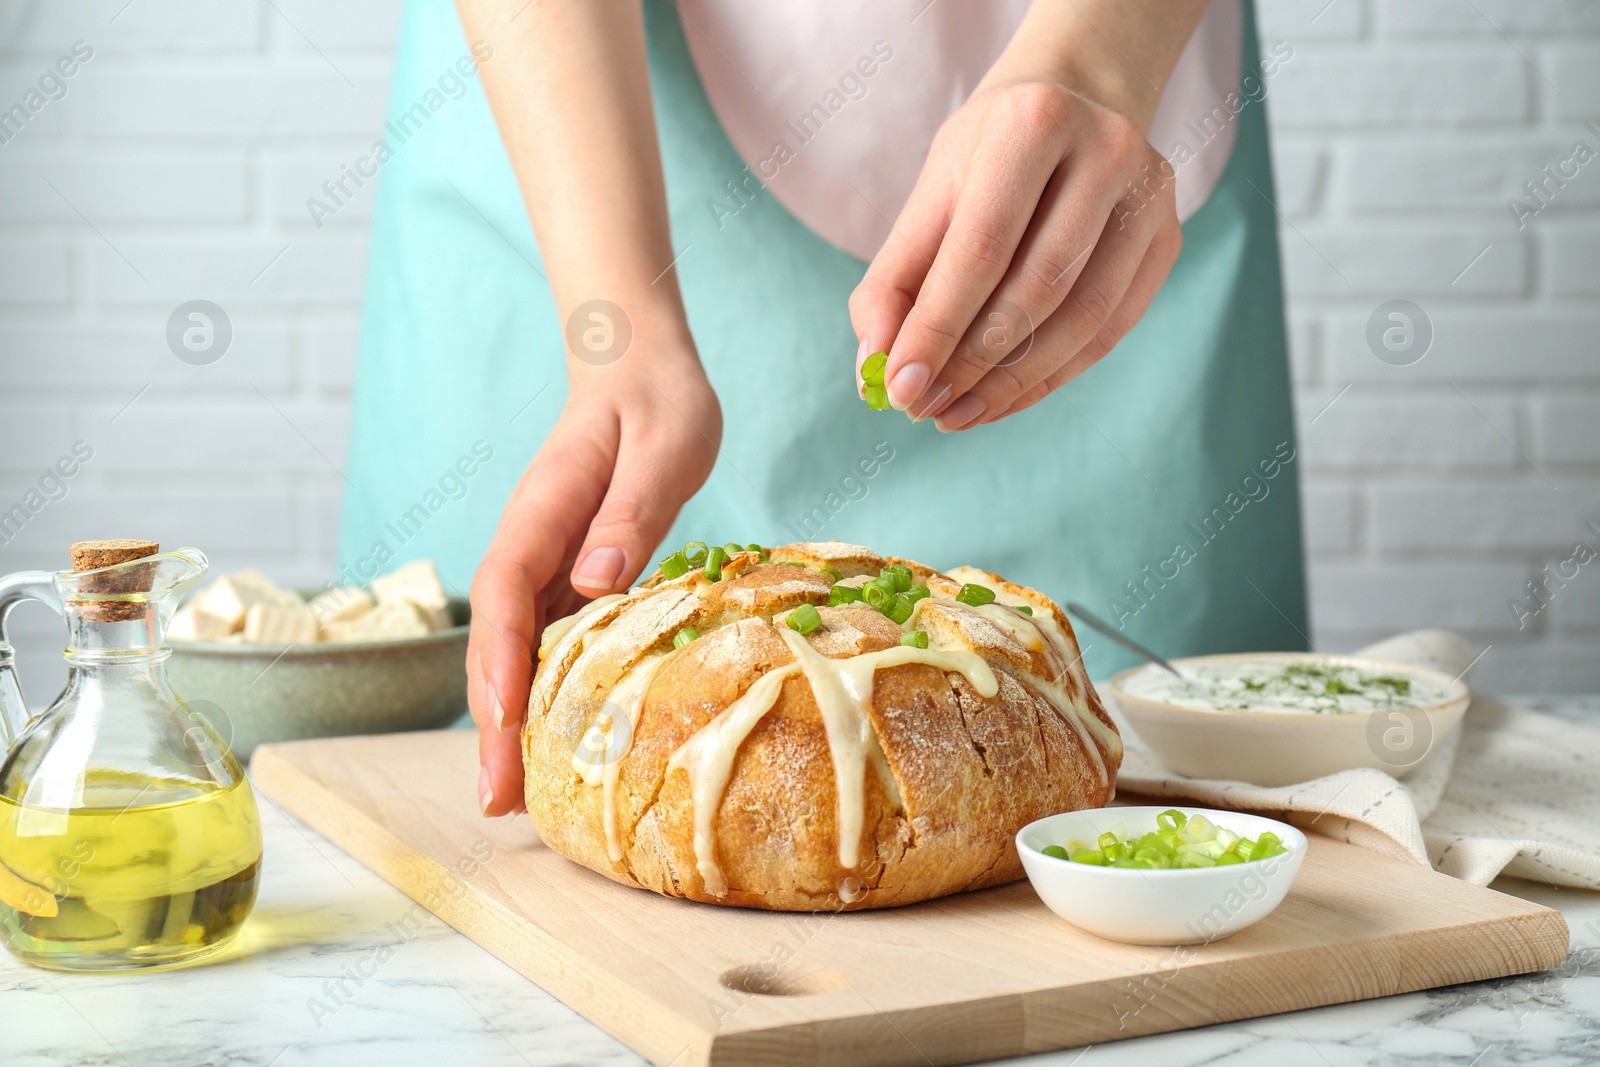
x: 546, y: 513
x: 1022, y: 143
x: 1068, y: 223
x: 1147, y: 281
x: 1035, y: 212
x: 658, y: 467
x: 499, y: 672
x: 886, y: 293
x: 1093, y: 299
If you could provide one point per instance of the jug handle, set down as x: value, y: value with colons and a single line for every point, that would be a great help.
x: 14, y: 589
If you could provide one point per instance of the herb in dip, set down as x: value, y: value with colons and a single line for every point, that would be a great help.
x: 1318, y: 687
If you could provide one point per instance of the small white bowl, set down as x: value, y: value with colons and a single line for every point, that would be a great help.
x: 1189, y: 906
x: 1277, y: 748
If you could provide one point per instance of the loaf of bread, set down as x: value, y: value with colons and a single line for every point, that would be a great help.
x: 739, y: 741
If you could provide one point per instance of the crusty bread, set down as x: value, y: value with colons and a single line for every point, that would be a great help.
x: 938, y: 776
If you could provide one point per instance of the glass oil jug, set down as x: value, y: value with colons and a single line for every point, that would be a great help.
x: 129, y: 836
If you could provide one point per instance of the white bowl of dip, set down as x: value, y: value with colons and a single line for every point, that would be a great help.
x: 1188, y: 906
x: 1279, y: 718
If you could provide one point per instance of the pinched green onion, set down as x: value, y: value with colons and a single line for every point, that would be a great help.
x: 754, y: 548
x: 843, y: 594
x: 872, y: 384
x: 899, y: 574
x: 695, y: 553
x: 1023, y: 608
x: 684, y: 636
x: 915, y: 639
x: 918, y: 592
x: 791, y: 563
x: 715, y: 558
x: 975, y: 595
x: 833, y: 575
x: 899, y: 608
x: 804, y: 619
x: 732, y: 549
x: 675, y: 566
x: 1177, y: 842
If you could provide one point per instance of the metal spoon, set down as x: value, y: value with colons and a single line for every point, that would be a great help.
x: 1096, y: 623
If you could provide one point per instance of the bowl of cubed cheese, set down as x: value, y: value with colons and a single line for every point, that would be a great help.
x: 265, y: 663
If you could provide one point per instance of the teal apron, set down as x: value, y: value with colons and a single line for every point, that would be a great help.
x: 1159, y: 490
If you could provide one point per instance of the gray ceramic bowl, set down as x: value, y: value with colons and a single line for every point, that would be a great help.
x: 255, y: 694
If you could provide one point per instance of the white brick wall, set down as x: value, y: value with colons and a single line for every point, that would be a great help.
x: 189, y: 143
x: 1402, y: 127
x: 178, y: 164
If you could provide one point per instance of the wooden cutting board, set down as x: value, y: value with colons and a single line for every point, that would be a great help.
x: 971, y: 977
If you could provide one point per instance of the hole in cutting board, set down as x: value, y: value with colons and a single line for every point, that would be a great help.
x: 786, y: 982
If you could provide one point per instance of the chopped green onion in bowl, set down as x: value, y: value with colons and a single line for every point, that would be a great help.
x: 1178, y: 843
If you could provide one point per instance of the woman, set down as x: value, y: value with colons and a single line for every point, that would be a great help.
x: 697, y: 178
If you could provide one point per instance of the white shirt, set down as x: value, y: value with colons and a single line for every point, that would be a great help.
x: 833, y: 106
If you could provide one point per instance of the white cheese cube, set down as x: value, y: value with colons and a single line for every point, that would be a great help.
x: 280, y: 624
x: 341, y: 604
x: 387, y: 621
x: 182, y: 627
x: 227, y: 599
x: 332, y: 631
x: 190, y: 625
x: 417, y: 582
x: 437, y: 618
x: 223, y: 601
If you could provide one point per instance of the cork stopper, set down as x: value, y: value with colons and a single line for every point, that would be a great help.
x: 92, y: 555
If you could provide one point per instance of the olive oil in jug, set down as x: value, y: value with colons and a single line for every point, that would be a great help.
x: 129, y: 835
x: 144, y: 870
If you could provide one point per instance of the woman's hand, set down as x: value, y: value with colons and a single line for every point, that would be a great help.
x: 635, y: 441
x: 570, y: 89
x: 1037, y: 235
x: 1042, y: 224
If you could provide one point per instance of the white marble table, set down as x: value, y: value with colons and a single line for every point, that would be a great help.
x: 324, y: 975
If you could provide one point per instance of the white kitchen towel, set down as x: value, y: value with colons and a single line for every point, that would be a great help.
x: 1512, y: 792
